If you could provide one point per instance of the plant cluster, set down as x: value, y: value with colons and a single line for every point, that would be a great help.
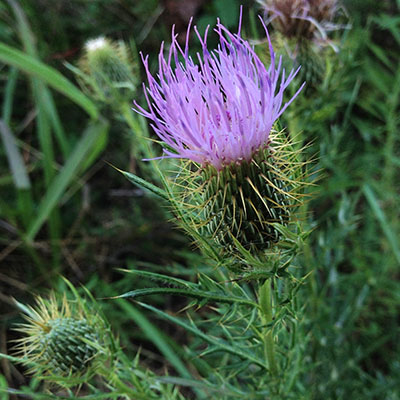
x: 270, y: 144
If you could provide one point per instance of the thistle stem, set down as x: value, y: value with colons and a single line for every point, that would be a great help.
x: 265, y: 299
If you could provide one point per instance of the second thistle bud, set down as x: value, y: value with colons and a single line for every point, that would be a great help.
x: 63, y: 339
x: 301, y: 30
x: 110, y: 68
x: 69, y: 345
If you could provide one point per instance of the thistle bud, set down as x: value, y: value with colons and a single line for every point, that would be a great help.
x: 62, y: 339
x: 245, y: 199
x: 313, y: 62
x: 68, y: 345
x: 110, y: 68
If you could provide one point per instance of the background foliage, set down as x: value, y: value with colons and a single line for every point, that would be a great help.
x: 65, y: 211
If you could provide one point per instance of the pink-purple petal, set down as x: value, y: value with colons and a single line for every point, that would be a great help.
x: 222, y: 109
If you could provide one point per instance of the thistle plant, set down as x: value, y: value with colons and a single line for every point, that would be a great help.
x: 310, y: 19
x: 67, y: 342
x: 108, y: 72
x: 239, y: 180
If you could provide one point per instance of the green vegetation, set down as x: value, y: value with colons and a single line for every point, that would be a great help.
x: 184, y: 319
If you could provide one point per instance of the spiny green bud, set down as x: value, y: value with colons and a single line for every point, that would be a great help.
x: 243, y: 201
x: 110, y: 68
x: 63, y: 339
x: 68, y: 345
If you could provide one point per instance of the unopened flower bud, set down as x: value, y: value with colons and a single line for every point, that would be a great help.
x: 110, y: 66
x: 62, y: 339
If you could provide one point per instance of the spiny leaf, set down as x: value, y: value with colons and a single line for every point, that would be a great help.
x: 159, y: 277
x: 144, y: 184
x: 221, y: 344
x: 190, y: 293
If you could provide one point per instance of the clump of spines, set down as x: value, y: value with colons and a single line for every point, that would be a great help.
x: 62, y: 339
x: 243, y: 200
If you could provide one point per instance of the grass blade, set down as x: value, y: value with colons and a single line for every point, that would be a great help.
x: 380, y: 216
x: 156, y: 337
x: 19, y: 174
x: 17, y: 165
x: 52, y: 77
x: 66, y: 175
x: 9, y: 95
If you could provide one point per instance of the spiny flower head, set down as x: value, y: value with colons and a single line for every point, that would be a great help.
x: 306, y: 19
x: 109, y: 68
x: 62, y: 339
x: 219, y: 110
x: 241, y: 176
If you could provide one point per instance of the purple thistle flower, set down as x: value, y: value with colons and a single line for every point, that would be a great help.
x: 220, y: 110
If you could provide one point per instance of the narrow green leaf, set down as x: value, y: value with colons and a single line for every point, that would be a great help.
x: 17, y: 165
x: 66, y: 175
x: 52, y: 77
x: 10, y: 358
x: 144, y: 184
x: 97, y: 149
x: 48, y: 162
x: 28, y: 40
x: 159, y: 277
x: 381, y: 217
x: 9, y: 95
x: 189, y: 293
x: 52, y: 113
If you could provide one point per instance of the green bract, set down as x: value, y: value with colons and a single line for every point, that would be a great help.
x: 241, y: 203
x: 69, y: 346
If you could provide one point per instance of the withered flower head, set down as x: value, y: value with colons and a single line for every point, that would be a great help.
x: 301, y: 18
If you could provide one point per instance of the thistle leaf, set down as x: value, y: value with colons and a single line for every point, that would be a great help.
x: 198, y: 294
x: 144, y: 184
x: 219, y: 343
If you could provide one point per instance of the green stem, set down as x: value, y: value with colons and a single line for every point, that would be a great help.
x: 265, y: 299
